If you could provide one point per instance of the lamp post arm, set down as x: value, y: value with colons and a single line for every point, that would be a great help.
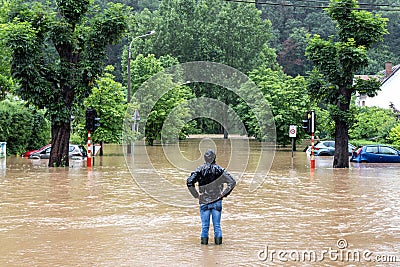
x: 138, y: 37
x: 129, y: 76
x: 129, y: 62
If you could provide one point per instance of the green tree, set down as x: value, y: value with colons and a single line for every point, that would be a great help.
x: 338, y: 61
x: 325, y: 126
x: 56, y: 57
x: 377, y: 57
x: 157, y: 111
x: 292, y: 54
x: 230, y: 33
x: 293, y: 18
x: 287, y: 98
x: 108, y: 99
x: 6, y: 81
x: 387, y: 53
x: 177, y: 100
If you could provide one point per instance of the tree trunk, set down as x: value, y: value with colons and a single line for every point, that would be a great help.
x: 60, y: 145
x: 341, y: 158
x: 225, y: 134
x: 101, y: 148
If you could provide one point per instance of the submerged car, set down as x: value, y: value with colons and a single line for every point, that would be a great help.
x: 327, y: 148
x: 376, y: 154
x: 74, y: 151
x: 30, y: 152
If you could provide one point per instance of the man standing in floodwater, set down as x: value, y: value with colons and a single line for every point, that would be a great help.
x: 211, y: 179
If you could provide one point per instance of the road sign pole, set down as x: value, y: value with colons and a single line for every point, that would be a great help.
x: 89, y: 152
x: 312, y: 158
x: 293, y: 146
x: 292, y: 134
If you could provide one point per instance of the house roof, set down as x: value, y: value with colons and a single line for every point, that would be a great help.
x: 366, y: 77
x: 381, y: 75
x: 394, y: 70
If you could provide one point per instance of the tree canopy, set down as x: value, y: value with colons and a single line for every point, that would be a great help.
x: 109, y: 101
x: 287, y: 98
x: 158, y: 107
x: 230, y: 33
x: 336, y: 62
x: 57, y: 55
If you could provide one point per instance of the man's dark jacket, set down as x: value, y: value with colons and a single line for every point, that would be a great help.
x: 211, y: 179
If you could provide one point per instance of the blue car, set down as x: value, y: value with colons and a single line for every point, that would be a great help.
x: 376, y: 154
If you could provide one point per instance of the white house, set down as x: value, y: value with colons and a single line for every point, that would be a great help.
x: 390, y: 89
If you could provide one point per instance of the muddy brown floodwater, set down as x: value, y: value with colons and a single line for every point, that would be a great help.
x: 102, y: 217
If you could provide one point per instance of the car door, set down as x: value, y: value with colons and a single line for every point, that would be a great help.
x: 388, y: 155
x: 371, y: 154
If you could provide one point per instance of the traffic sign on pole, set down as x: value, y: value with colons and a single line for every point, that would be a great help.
x: 292, y: 134
x: 292, y: 130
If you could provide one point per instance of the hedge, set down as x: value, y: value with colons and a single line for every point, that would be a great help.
x: 22, y: 128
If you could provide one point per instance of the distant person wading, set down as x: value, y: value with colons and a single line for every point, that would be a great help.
x: 211, y: 179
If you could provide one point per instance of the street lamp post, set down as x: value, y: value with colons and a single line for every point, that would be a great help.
x: 129, y: 61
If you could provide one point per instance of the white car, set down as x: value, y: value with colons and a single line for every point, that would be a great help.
x: 74, y: 151
x: 327, y: 148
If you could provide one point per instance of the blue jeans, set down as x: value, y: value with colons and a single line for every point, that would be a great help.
x: 213, y: 209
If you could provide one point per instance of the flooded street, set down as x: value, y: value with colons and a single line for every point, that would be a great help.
x: 103, y: 217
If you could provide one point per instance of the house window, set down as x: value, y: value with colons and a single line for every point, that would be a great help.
x: 363, y: 103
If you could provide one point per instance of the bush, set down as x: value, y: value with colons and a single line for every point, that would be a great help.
x: 372, y: 123
x: 22, y: 128
x: 394, y: 136
x: 40, y: 134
